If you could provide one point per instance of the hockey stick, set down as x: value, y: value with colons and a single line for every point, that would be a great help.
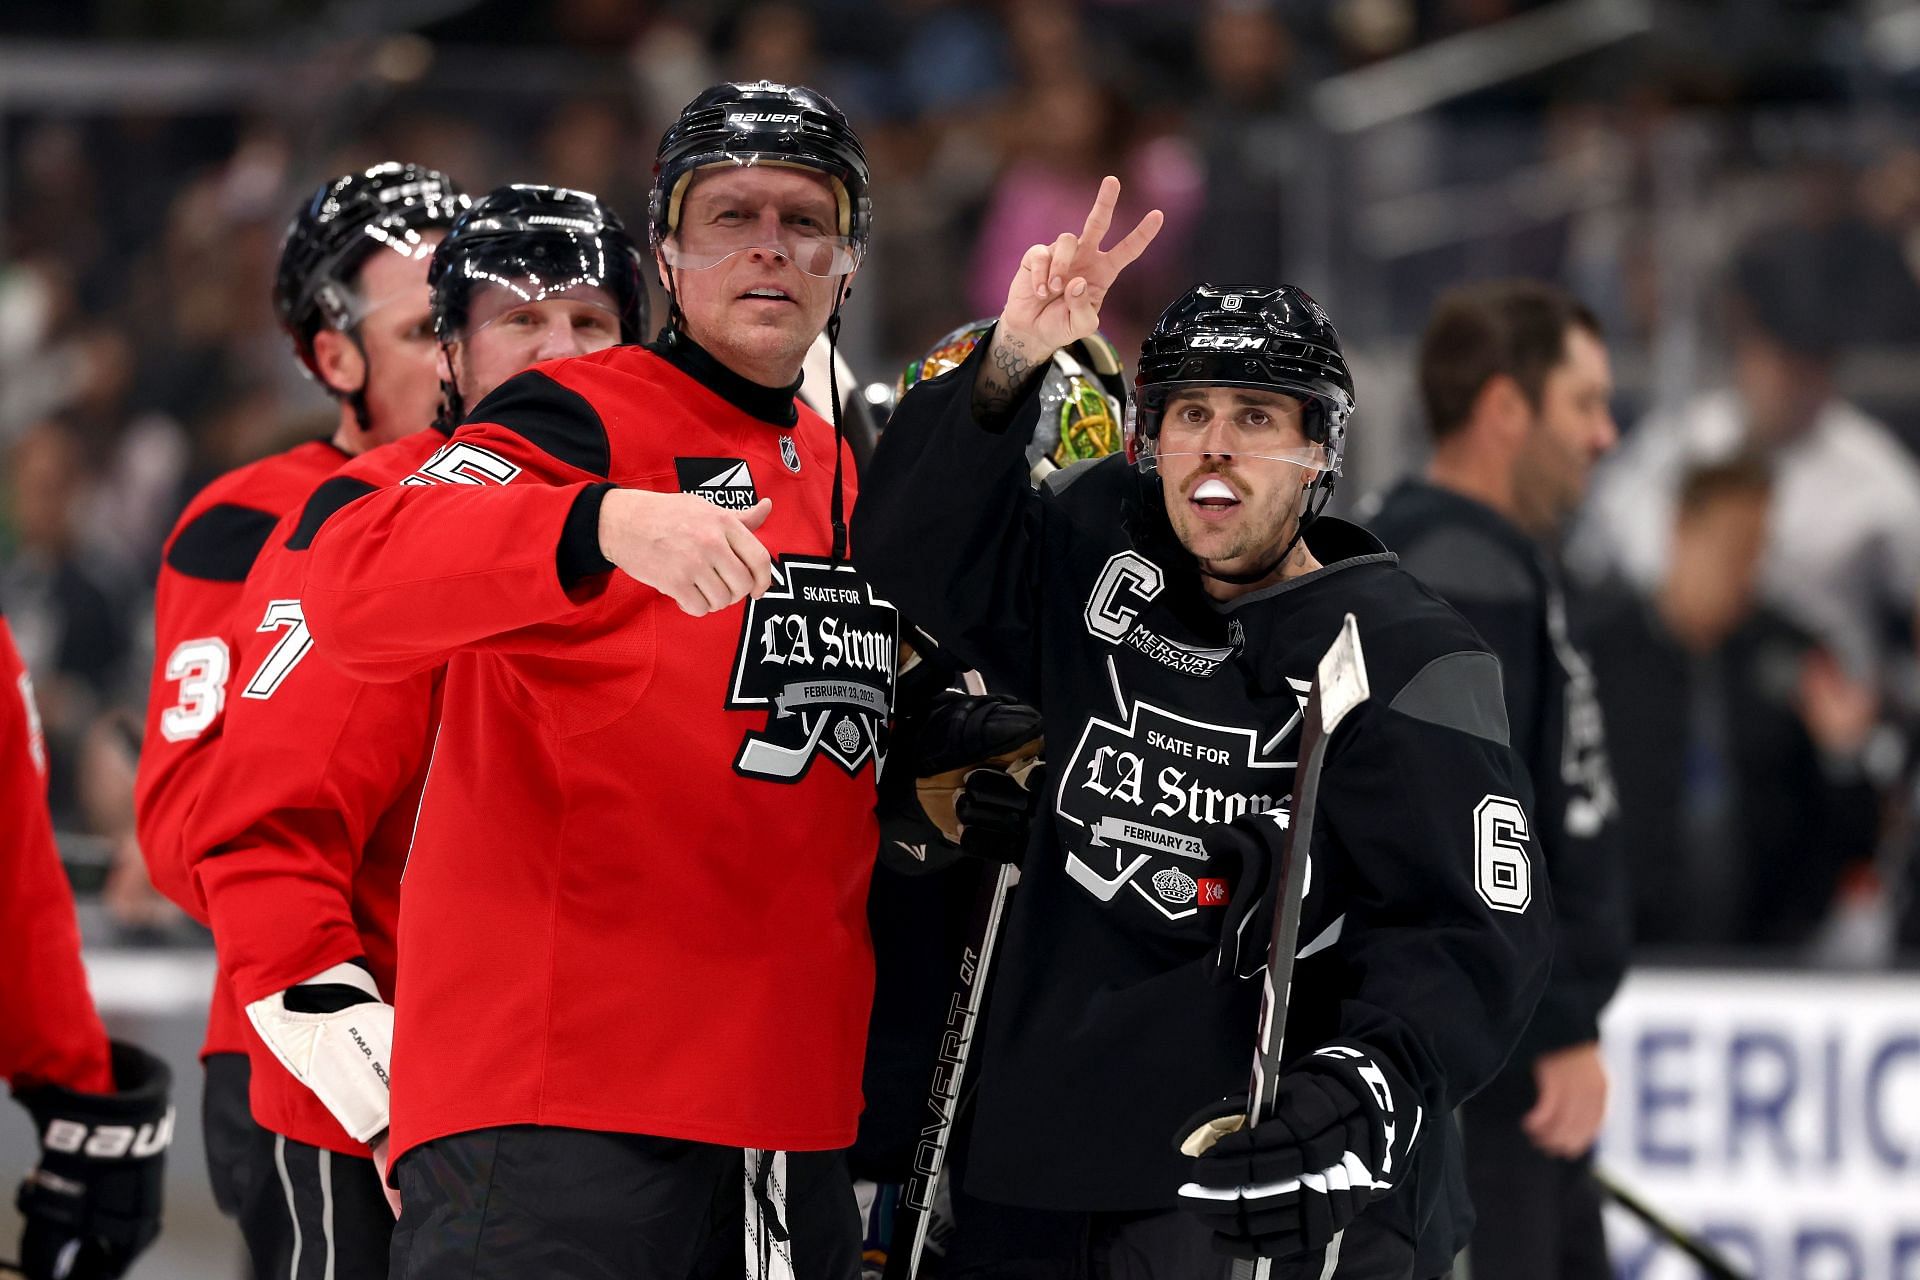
x: 1339, y: 685
x: 1711, y: 1260
x: 914, y: 1214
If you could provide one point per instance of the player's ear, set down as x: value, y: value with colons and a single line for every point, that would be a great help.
x: 1501, y: 410
x: 660, y: 267
x: 443, y: 361
x: 341, y: 365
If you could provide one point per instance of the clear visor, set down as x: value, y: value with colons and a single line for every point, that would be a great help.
x: 1169, y: 426
x: 712, y: 223
x: 512, y: 298
x: 345, y: 307
x: 1313, y: 457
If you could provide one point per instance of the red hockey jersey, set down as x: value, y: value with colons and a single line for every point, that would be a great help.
x: 297, y: 852
x: 196, y: 638
x: 636, y: 896
x: 49, y: 1030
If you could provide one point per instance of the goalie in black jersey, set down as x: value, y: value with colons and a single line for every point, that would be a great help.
x: 1165, y: 610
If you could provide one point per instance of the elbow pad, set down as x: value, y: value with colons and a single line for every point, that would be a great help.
x: 340, y: 1053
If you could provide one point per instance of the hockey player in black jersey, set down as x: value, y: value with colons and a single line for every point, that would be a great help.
x: 1165, y: 611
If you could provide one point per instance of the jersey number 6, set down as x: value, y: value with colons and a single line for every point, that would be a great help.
x: 1501, y: 871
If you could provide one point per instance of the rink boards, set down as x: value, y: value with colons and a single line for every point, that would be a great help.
x: 1778, y: 1113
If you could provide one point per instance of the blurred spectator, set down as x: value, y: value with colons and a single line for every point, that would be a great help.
x: 1516, y: 383
x: 70, y: 627
x: 1249, y: 143
x: 1843, y: 556
x: 1087, y: 133
x: 1736, y: 739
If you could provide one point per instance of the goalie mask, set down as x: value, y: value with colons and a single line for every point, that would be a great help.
x: 1082, y: 396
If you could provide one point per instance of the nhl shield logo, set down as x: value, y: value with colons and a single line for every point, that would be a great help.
x: 790, y: 454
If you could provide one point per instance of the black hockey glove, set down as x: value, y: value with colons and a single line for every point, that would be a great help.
x: 93, y: 1202
x: 995, y: 809
x: 1246, y: 854
x: 950, y: 752
x: 1345, y: 1127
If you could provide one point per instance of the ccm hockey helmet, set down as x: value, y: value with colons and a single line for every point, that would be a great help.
x: 536, y: 242
x: 1082, y: 395
x: 340, y: 226
x: 763, y: 123
x: 1276, y: 339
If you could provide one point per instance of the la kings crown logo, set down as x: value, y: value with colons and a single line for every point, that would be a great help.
x: 819, y: 652
x: 1139, y: 795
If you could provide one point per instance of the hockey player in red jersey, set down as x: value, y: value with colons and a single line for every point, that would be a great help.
x: 351, y: 294
x: 298, y: 852
x: 633, y: 941
x: 101, y: 1110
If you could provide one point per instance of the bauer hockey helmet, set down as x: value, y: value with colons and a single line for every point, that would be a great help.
x: 763, y: 123
x: 339, y: 227
x: 536, y: 242
x: 1083, y: 395
x: 1277, y: 339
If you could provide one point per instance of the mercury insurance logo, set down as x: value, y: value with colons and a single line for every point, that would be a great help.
x: 819, y: 652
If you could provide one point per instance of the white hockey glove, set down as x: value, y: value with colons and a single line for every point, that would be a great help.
x: 1343, y: 1133
x: 335, y: 1034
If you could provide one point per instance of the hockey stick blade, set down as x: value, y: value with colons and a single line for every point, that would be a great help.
x: 1339, y: 685
x: 1711, y: 1260
x: 914, y: 1215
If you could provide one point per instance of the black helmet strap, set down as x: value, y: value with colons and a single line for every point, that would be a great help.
x: 356, y: 399
x: 839, y: 511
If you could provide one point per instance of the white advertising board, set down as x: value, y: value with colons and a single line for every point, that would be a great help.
x: 1777, y: 1114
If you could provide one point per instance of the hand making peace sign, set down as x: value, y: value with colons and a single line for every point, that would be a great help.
x: 1056, y: 294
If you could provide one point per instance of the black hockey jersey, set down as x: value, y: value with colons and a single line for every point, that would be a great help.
x: 1484, y: 566
x: 1426, y: 927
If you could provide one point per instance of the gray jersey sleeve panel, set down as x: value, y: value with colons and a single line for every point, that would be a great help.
x: 1058, y: 481
x: 1466, y: 564
x: 1459, y: 691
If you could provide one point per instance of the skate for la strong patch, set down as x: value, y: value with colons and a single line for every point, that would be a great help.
x: 1135, y: 797
x: 819, y: 652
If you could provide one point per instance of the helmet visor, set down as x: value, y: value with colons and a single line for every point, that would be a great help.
x: 509, y: 298
x: 708, y: 225
x: 1261, y: 425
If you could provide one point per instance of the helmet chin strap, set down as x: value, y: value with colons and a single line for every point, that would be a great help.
x: 1318, y: 492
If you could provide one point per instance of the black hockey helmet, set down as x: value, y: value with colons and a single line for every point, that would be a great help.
x: 1082, y: 395
x: 536, y: 242
x: 1278, y: 339
x: 338, y: 228
x: 762, y: 123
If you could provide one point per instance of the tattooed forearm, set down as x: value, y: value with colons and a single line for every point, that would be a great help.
x: 1003, y: 376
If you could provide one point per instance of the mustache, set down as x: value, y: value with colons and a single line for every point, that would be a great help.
x: 1211, y: 469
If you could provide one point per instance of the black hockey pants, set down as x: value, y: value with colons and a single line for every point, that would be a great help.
x: 999, y: 1242
x: 576, y: 1204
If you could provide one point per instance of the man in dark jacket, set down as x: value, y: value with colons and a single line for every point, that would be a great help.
x: 1516, y: 383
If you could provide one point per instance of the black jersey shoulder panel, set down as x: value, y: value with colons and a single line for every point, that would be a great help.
x: 552, y: 417
x: 332, y: 495
x: 221, y: 543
